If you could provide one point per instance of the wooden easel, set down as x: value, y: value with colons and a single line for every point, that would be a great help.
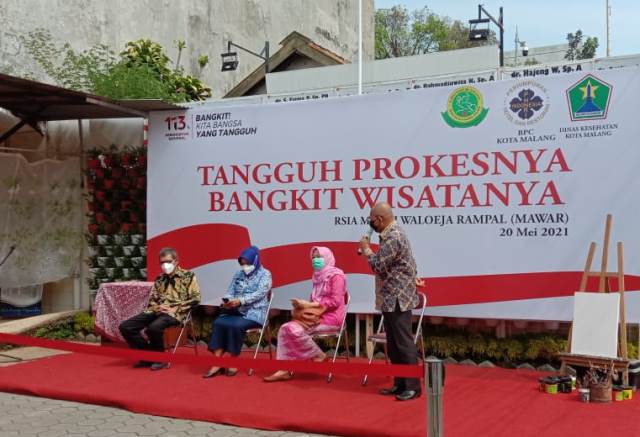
x: 604, y: 286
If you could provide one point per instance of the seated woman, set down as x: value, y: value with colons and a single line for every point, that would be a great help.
x: 245, y: 307
x: 324, y: 312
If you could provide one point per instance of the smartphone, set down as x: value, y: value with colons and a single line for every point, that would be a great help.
x: 225, y: 299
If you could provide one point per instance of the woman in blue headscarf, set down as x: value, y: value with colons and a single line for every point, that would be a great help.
x: 245, y: 307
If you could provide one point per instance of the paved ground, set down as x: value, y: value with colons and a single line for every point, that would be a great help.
x: 26, y: 416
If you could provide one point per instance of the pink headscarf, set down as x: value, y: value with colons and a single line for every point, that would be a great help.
x: 321, y: 277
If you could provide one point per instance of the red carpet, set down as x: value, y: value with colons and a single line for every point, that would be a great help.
x: 477, y: 401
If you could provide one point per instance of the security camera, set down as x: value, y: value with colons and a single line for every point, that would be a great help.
x: 525, y: 49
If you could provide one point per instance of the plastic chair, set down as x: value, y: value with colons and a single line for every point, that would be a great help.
x: 266, y: 328
x: 186, y: 327
x: 339, y: 334
x: 380, y: 337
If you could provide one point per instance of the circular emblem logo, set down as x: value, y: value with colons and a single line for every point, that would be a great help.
x: 526, y: 103
x: 465, y: 107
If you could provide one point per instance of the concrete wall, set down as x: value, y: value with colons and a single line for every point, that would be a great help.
x: 205, y: 25
x: 543, y: 55
x: 384, y: 70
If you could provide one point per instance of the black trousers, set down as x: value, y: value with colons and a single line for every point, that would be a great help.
x: 400, y: 345
x: 155, y: 323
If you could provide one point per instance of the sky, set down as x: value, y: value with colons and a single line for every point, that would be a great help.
x: 547, y: 22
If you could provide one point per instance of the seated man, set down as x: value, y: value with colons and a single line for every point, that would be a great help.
x: 173, y: 294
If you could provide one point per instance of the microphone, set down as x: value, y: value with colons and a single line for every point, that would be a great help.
x: 368, y: 235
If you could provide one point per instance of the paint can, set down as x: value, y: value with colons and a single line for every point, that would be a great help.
x: 564, y: 384
x: 618, y: 395
x: 583, y: 394
x: 551, y: 385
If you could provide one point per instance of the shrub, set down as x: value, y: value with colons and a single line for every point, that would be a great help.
x: 56, y: 331
x: 83, y: 322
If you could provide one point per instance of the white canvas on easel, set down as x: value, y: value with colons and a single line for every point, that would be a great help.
x: 595, y: 324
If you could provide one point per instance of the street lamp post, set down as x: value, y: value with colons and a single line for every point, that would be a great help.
x: 483, y: 34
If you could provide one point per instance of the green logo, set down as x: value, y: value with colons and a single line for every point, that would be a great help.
x: 464, y: 108
x: 589, y: 99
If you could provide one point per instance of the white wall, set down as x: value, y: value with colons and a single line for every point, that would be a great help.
x: 205, y: 25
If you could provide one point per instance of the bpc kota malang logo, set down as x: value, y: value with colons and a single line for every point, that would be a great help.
x: 589, y: 99
x: 465, y: 108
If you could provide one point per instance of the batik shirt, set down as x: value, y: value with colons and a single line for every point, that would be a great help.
x: 252, y: 293
x: 180, y: 292
x: 395, y: 270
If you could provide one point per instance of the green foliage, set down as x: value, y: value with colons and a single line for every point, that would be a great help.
x: 578, y: 49
x: 447, y: 342
x: 190, y: 88
x: 84, y: 322
x: 67, y: 67
x: 632, y: 350
x: 141, y: 70
x: 57, y: 331
x: 148, y: 53
x: 203, y: 61
x: 137, y: 81
x: 399, y: 32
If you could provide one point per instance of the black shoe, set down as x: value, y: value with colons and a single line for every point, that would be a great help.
x: 211, y: 374
x: 159, y: 366
x: 231, y: 372
x: 141, y: 364
x: 407, y: 395
x: 390, y: 391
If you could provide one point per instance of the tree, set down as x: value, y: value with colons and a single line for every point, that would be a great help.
x: 579, y: 50
x: 399, y: 32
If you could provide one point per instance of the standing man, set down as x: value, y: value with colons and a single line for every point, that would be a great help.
x: 173, y: 295
x: 395, y: 271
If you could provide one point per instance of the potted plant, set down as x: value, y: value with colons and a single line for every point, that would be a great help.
x: 130, y: 250
x: 137, y: 239
x: 103, y: 239
x: 117, y: 172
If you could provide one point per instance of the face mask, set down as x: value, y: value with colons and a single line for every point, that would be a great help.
x: 372, y: 225
x: 317, y: 263
x: 168, y: 268
x: 248, y: 269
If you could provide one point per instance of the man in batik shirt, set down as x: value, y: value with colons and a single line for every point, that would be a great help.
x: 174, y: 293
x: 396, y: 293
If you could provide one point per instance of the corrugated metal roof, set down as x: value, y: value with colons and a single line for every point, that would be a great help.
x: 37, y: 101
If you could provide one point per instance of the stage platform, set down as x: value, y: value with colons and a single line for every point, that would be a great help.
x: 477, y: 401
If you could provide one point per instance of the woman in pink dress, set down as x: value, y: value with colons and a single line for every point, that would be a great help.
x: 323, y: 312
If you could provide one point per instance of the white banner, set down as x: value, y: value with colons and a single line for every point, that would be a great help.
x: 500, y: 185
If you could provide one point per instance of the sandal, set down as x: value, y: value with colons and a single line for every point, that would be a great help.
x: 278, y: 376
x: 211, y: 374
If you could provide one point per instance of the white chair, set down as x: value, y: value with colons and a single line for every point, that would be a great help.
x: 338, y: 333
x: 380, y: 337
x: 266, y: 328
x: 186, y: 330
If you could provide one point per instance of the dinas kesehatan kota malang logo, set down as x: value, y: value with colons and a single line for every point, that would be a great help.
x: 589, y: 99
x: 465, y: 107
